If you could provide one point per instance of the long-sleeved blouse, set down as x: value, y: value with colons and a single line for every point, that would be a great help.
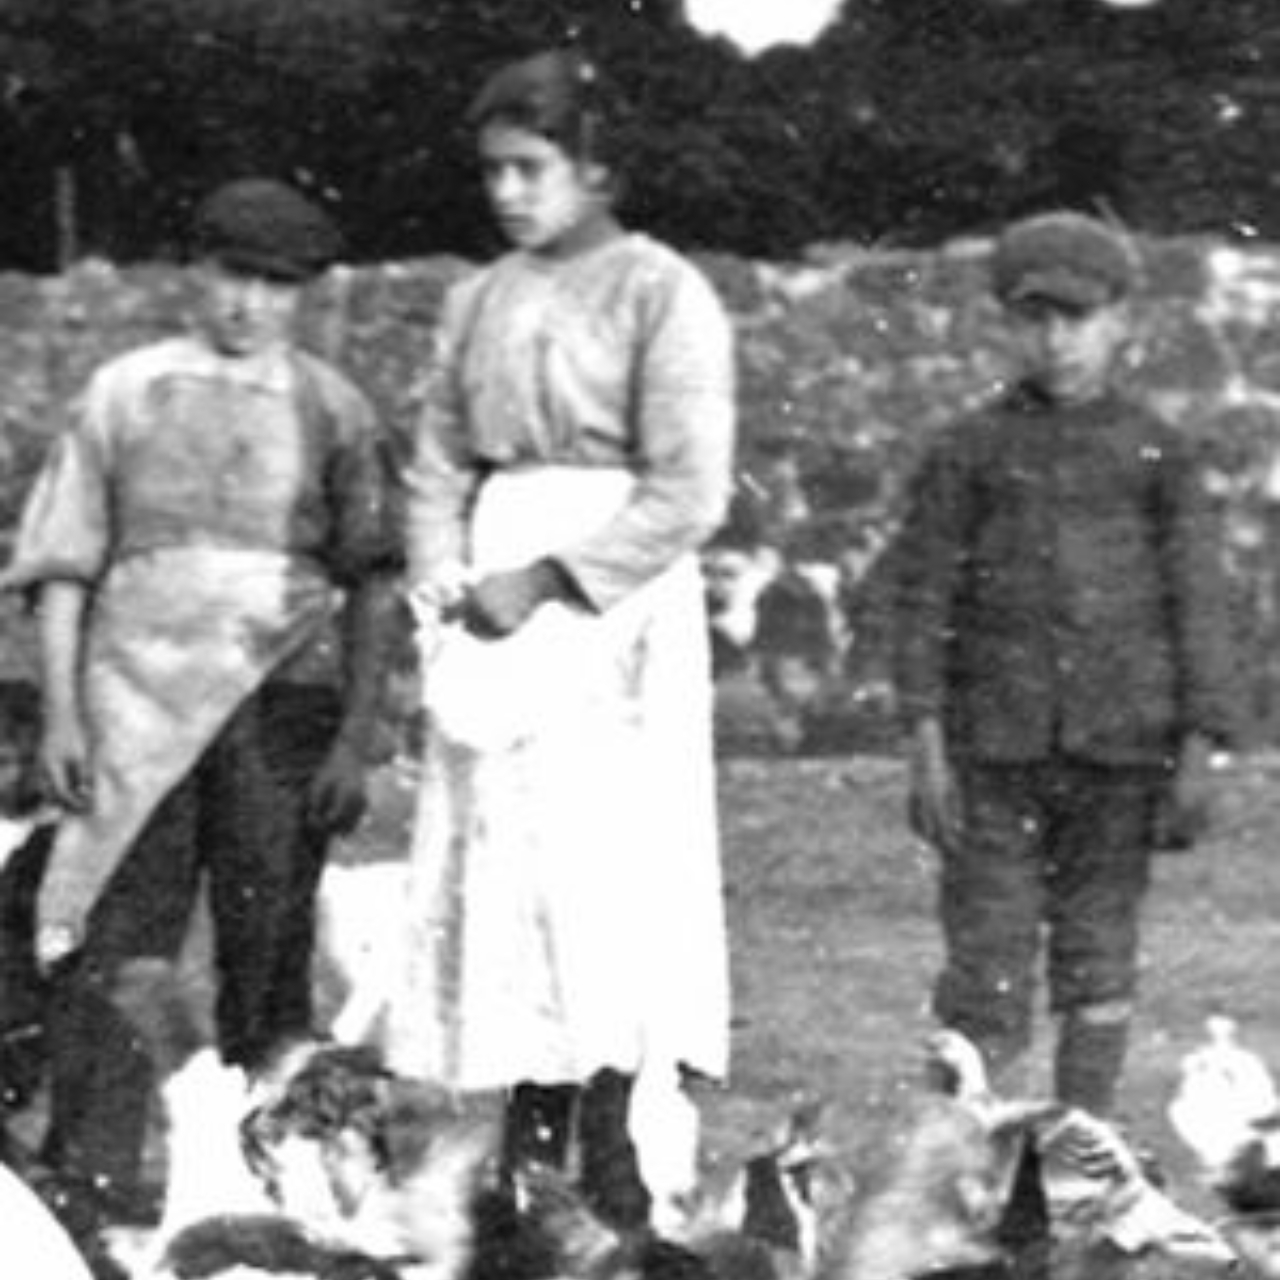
x: 617, y: 357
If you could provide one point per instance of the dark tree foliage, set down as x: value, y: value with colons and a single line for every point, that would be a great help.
x: 908, y: 121
x: 1163, y: 115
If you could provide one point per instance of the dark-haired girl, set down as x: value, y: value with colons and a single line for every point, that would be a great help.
x: 573, y: 453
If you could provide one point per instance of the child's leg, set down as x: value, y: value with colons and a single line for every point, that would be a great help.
x: 990, y: 907
x: 1100, y: 873
x: 265, y: 857
x: 23, y: 989
x: 1093, y: 1041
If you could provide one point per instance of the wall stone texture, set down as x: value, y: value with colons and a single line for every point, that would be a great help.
x: 849, y: 360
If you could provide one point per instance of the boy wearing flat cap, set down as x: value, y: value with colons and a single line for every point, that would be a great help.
x: 1060, y: 663
x: 209, y: 545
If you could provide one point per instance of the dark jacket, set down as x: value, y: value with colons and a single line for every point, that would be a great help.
x: 1060, y: 587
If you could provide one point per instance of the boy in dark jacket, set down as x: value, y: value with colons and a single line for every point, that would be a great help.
x: 1060, y: 662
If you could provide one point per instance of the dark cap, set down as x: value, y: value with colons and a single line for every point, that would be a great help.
x: 1065, y: 259
x: 266, y: 228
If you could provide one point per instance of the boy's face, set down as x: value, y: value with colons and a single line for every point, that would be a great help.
x: 1068, y: 354
x: 246, y: 315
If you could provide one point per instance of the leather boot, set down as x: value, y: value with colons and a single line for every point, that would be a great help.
x: 538, y: 1126
x: 609, y: 1170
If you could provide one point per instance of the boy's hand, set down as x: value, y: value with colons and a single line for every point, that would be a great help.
x: 1188, y: 809
x: 501, y: 603
x: 338, y: 796
x: 933, y: 801
x: 65, y: 763
x: 54, y: 943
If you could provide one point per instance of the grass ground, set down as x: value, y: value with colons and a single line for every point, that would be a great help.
x: 834, y: 941
x: 833, y: 944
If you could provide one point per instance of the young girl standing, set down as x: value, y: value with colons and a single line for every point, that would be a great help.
x: 573, y: 453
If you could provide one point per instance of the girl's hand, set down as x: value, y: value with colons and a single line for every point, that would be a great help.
x: 65, y: 762
x: 441, y: 597
x: 501, y: 603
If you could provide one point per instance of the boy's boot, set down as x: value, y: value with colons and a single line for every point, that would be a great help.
x: 1090, y: 1058
x: 609, y: 1169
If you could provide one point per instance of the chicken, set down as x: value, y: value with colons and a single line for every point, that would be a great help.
x: 1224, y: 1104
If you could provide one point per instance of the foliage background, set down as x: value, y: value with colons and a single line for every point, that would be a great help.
x: 834, y: 945
x: 907, y: 121
x: 847, y: 364
x: 840, y: 194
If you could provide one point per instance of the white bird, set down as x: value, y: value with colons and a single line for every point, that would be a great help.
x: 1225, y: 1093
x: 359, y: 910
x: 33, y: 1237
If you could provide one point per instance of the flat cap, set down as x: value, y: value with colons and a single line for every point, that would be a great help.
x: 1064, y: 258
x: 265, y: 227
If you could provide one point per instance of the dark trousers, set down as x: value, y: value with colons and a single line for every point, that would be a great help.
x: 236, y: 824
x: 23, y: 988
x: 1055, y: 855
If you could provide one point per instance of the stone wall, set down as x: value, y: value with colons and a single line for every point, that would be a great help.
x: 848, y: 361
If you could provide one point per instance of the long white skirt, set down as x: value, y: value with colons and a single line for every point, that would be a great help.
x: 565, y: 896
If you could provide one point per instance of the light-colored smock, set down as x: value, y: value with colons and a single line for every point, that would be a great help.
x: 213, y: 507
x: 566, y: 898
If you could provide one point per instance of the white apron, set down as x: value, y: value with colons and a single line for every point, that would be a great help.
x: 565, y: 894
x: 178, y: 639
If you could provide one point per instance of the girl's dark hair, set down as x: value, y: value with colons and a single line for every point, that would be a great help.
x: 560, y: 94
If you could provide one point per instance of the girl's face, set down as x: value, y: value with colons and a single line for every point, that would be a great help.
x: 246, y: 315
x: 538, y: 192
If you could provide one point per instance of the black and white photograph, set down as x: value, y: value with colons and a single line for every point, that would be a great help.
x: 640, y: 640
